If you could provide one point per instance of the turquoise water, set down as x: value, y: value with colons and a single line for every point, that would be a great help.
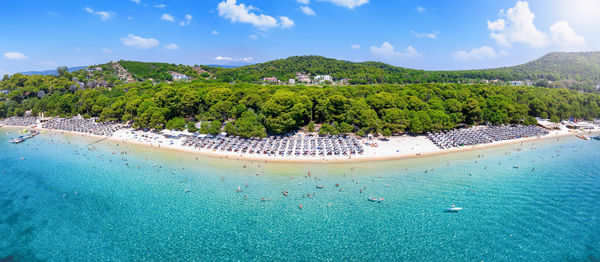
x: 64, y: 202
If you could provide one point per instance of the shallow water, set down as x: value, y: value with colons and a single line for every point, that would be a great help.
x: 65, y: 202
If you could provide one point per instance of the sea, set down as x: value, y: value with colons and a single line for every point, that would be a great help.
x: 73, y: 198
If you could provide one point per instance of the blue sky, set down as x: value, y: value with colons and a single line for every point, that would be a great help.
x: 439, y: 34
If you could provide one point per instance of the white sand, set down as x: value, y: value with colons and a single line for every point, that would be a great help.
x: 397, y: 147
x: 393, y: 148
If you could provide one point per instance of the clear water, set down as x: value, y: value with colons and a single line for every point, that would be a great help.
x: 66, y: 203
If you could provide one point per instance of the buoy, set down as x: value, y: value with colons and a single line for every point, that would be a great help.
x: 300, y: 206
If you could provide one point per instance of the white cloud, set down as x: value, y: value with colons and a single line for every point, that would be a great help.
x: 229, y: 59
x: 499, y: 25
x: 167, y: 17
x: 160, y: 6
x: 479, y: 53
x: 221, y: 58
x: 215, y: 32
x: 355, y: 47
x: 421, y: 9
x: 139, y: 42
x: 171, y: 47
x: 106, y: 51
x: 517, y: 28
x: 187, y: 21
x: 228, y: 9
x: 286, y: 22
x: 48, y: 63
x: 432, y: 35
x: 129, y: 18
x: 307, y: 10
x: 104, y: 15
x: 14, y: 56
x: 387, y: 51
x: 351, y: 4
x: 564, y: 35
x: 136, y: 1
x: 304, y: 2
x: 255, y: 37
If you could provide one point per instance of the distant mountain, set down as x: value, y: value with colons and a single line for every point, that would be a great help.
x: 223, y: 66
x: 52, y: 72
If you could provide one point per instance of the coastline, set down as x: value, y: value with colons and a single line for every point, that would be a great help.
x: 412, y: 147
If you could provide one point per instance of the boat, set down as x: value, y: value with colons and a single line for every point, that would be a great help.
x: 584, y: 137
x: 17, y: 140
x: 453, y: 209
x: 374, y: 199
x: 596, y: 138
x: 320, y: 186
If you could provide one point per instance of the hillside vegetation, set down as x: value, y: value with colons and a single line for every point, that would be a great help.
x: 156, y: 71
x: 563, y: 70
x: 259, y: 110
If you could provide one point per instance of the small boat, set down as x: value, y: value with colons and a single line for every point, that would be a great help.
x: 320, y: 186
x: 584, y: 137
x: 596, y: 138
x: 453, y: 209
x: 17, y: 140
x: 374, y: 199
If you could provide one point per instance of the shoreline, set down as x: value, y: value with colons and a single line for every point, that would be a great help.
x: 370, y: 155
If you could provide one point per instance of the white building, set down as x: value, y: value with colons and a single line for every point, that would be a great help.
x: 292, y: 81
x: 323, y: 77
x: 179, y: 77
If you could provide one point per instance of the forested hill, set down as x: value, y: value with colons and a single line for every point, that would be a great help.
x: 581, y: 67
x: 357, y: 73
x: 572, y: 70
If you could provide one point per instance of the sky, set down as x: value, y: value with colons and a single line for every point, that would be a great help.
x: 431, y: 35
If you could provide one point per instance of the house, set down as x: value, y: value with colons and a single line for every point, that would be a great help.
x: 93, y: 69
x: 302, y: 78
x: 179, y: 77
x: 323, y: 77
x: 516, y: 83
x: 4, y: 92
x: 270, y: 79
x: 292, y: 81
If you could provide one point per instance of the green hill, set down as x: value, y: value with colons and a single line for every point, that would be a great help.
x: 157, y: 71
x: 572, y: 70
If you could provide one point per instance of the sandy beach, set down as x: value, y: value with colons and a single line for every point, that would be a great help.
x: 396, y: 147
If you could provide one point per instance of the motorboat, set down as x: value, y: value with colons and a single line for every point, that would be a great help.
x: 453, y: 209
x: 374, y: 199
x: 17, y: 140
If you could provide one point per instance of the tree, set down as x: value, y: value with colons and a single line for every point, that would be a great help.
x: 230, y: 128
x: 62, y: 70
x: 554, y: 119
x: 177, y: 123
x: 191, y: 127
x: 311, y: 126
x: 215, y: 127
x: 386, y: 132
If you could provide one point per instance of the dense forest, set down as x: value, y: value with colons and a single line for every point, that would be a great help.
x: 579, y: 71
x: 258, y: 110
x: 156, y: 71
